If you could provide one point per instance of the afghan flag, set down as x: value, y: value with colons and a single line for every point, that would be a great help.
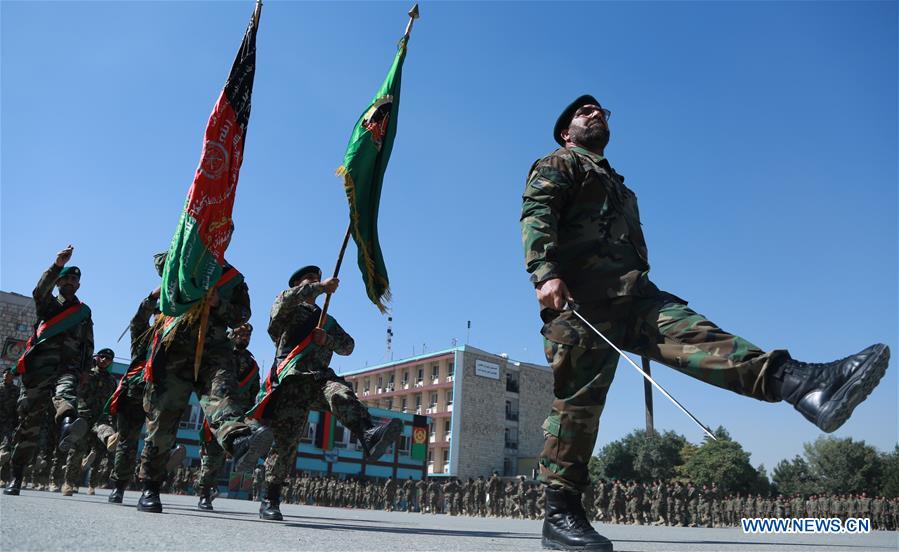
x: 196, y: 256
x: 363, y: 174
x: 419, y: 438
x: 324, y: 432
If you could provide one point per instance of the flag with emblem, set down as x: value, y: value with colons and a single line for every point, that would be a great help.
x: 363, y: 175
x: 196, y: 256
x: 419, y: 438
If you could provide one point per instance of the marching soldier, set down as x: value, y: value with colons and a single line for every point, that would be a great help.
x: 584, y: 246
x: 389, y: 494
x: 54, y: 359
x: 409, y: 494
x: 494, y: 488
x: 300, y: 379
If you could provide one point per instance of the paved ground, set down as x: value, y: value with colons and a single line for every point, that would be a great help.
x: 49, y: 521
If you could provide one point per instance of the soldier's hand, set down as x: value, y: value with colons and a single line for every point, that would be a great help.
x: 553, y: 294
x: 155, y: 293
x: 330, y: 284
x: 319, y: 336
x: 63, y: 256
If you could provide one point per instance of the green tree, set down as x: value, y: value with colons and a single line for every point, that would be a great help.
x: 843, y: 465
x: 794, y: 476
x: 890, y: 486
x: 723, y: 462
x: 637, y: 456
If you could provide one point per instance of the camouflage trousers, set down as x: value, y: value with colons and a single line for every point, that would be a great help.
x: 94, y: 440
x: 169, y: 394
x: 130, y: 419
x: 46, y: 391
x: 660, y: 327
x: 212, y: 458
x: 287, y: 416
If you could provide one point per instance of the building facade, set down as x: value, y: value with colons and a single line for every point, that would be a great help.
x: 486, y: 409
x: 17, y: 319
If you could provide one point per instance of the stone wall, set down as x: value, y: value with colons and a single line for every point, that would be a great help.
x: 17, y: 318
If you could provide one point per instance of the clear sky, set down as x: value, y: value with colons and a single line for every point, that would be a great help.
x: 760, y: 137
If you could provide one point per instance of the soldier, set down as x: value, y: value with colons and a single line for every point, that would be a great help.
x: 433, y: 496
x: 301, y: 380
x: 126, y: 407
x: 602, y: 500
x: 409, y: 494
x: 212, y: 457
x: 54, y: 359
x: 481, y: 497
x: 522, y: 492
x: 95, y: 389
x: 494, y: 489
x: 587, y: 499
x: 530, y: 500
x: 584, y: 246
x: 172, y: 377
x: 9, y: 418
x: 258, y: 481
x: 389, y: 494
x: 422, y: 488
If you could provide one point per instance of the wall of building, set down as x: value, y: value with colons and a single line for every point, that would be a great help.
x: 17, y: 319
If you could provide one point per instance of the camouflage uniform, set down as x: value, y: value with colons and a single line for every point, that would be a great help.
x: 494, y: 489
x: 9, y: 417
x: 580, y: 223
x: 389, y: 494
x: 309, y: 384
x: 130, y: 415
x: 95, y: 389
x: 171, y: 370
x: 409, y: 494
x: 212, y: 456
x: 53, y: 370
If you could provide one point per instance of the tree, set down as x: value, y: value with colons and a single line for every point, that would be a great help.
x: 844, y: 466
x: 637, y: 456
x: 723, y: 462
x: 794, y: 477
x: 890, y: 486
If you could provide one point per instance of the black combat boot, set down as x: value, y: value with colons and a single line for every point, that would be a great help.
x: 71, y: 430
x: 827, y: 393
x: 270, y: 506
x: 205, y: 502
x: 149, y: 499
x: 246, y: 449
x: 118, y: 491
x: 565, y: 526
x: 14, y: 487
x: 376, y: 440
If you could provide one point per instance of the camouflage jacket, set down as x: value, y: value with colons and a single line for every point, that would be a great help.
x: 139, y: 328
x: 9, y: 396
x: 247, y: 379
x: 94, y: 390
x: 75, y: 346
x: 580, y: 223
x: 293, y: 319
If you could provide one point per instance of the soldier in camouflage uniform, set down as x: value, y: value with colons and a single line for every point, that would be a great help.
x: 301, y: 380
x: 126, y: 406
x: 9, y: 418
x: 433, y: 496
x: 212, y: 456
x: 389, y: 494
x: 95, y: 389
x: 422, y: 488
x: 54, y: 359
x: 409, y: 494
x: 494, y: 489
x: 171, y: 380
x: 584, y: 247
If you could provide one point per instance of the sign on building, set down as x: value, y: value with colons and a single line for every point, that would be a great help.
x: 486, y: 369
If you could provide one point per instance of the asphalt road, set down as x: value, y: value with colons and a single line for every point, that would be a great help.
x: 48, y: 521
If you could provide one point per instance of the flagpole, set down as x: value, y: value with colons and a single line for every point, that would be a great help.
x: 201, y: 334
x: 346, y: 240
x: 413, y: 15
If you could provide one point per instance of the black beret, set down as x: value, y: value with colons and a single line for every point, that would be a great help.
x: 106, y: 352
x: 302, y: 272
x: 565, y: 118
x: 74, y: 270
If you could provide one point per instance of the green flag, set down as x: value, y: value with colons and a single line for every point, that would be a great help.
x: 363, y: 174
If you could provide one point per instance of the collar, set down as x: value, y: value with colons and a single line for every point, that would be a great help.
x: 595, y: 157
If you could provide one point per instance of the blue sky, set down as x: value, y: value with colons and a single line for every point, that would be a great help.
x: 760, y: 138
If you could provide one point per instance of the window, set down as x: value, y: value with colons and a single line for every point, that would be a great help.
x: 449, y: 397
x: 406, y: 378
x: 435, y: 373
x: 366, y: 386
x: 380, y: 383
x: 507, y: 467
x: 390, y: 382
x: 512, y: 382
x: 404, y: 403
x: 448, y: 430
x: 309, y: 434
x: 430, y: 456
x: 389, y: 404
x: 421, y: 376
x: 191, y: 418
x: 340, y: 436
x: 405, y: 441
x: 418, y: 403
x: 449, y: 370
x: 433, y: 399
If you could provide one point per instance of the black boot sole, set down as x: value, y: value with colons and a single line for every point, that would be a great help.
x: 838, y: 409
x: 11, y: 492
x: 553, y: 545
x: 271, y: 517
x: 150, y: 509
x: 205, y: 508
x: 260, y: 443
x: 115, y: 500
x: 394, y: 429
x: 77, y: 429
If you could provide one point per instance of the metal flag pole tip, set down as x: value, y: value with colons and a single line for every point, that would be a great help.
x: 645, y: 375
